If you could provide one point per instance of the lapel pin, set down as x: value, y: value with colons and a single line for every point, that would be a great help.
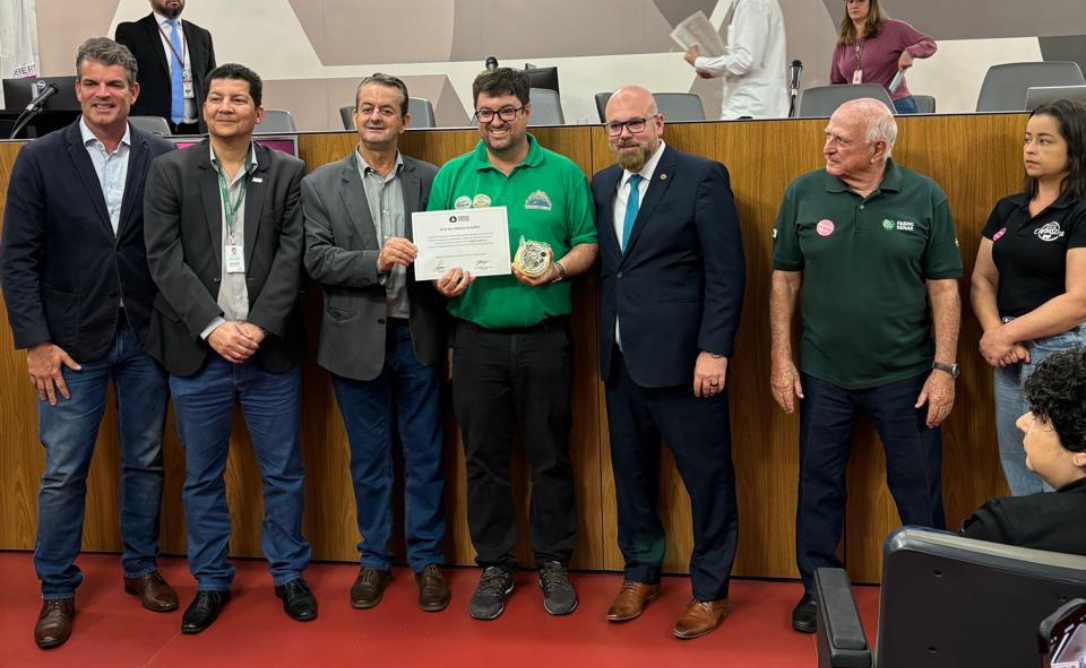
x: 258, y: 179
x: 663, y: 177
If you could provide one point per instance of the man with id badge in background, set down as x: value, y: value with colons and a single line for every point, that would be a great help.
x: 174, y: 59
x: 224, y: 245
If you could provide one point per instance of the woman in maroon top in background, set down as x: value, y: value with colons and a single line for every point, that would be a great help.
x: 872, y: 48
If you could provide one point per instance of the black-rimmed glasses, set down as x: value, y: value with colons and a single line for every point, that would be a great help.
x: 507, y: 114
x: 634, y: 125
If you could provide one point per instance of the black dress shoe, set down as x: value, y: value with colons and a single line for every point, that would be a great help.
x: 204, y: 610
x: 805, y: 615
x: 298, y: 600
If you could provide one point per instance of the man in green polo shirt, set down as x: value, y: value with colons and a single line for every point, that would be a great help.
x: 512, y: 355
x: 868, y: 245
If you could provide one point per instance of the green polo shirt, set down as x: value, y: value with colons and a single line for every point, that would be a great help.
x: 866, y: 316
x: 548, y: 200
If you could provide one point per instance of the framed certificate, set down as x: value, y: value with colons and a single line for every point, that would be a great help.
x: 475, y: 240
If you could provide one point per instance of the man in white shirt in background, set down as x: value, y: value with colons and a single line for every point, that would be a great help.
x: 754, y: 65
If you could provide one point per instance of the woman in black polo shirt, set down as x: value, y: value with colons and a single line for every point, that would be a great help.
x: 1029, y: 281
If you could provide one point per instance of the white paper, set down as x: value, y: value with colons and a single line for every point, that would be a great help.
x: 696, y: 29
x: 475, y: 240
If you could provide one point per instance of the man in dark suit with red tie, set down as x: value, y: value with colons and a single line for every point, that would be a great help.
x: 174, y: 58
x: 673, y: 276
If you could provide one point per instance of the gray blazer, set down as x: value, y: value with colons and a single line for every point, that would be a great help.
x: 341, y: 249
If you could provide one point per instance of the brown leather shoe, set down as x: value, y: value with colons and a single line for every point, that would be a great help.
x: 155, y: 594
x: 700, y: 617
x: 54, y: 625
x: 368, y: 587
x: 433, y: 589
x: 631, y: 600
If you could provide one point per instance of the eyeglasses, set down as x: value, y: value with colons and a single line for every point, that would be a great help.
x: 634, y: 125
x: 507, y: 114
x: 855, y: 2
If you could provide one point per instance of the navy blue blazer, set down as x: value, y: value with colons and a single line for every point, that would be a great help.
x: 678, y: 288
x: 64, y: 271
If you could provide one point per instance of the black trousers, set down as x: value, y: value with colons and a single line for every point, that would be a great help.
x: 698, y: 433
x: 523, y: 376
x: 913, y: 463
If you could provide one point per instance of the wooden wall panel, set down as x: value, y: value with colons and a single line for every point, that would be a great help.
x: 976, y: 160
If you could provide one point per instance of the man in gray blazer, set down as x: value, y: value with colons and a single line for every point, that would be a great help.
x: 382, y: 336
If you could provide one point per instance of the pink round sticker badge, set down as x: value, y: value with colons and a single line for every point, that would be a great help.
x: 1000, y: 233
x: 825, y: 228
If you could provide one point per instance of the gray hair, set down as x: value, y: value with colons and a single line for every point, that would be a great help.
x: 105, y: 51
x: 882, y: 128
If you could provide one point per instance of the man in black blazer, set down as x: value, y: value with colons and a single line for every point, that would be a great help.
x: 224, y: 243
x: 673, y: 276
x: 382, y: 336
x: 177, y: 97
x: 78, y: 296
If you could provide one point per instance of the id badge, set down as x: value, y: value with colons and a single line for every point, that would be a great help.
x: 858, y: 77
x: 186, y: 83
x: 235, y: 259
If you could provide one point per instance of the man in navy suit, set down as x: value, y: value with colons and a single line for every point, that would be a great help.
x: 673, y: 275
x: 79, y: 296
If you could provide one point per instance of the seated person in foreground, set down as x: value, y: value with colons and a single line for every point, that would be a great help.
x: 1055, y: 444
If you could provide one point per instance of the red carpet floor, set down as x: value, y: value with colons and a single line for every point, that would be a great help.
x: 113, y: 631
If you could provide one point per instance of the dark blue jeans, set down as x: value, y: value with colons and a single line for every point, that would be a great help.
x: 271, y: 405
x: 68, y: 432
x: 410, y: 393
x: 913, y: 463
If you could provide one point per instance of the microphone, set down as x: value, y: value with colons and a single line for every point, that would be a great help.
x: 491, y: 63
x: 797, y: 69
x: 46, y: 90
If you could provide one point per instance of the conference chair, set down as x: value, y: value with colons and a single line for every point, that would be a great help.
x: 1038, y: 95
x: 153, y: 124
x: 346, y: 115
x: 925, y: 104
x: 422, y: 112
x: 823, y: 100
x: 947, y: 602
x: 674, y: 106
x: 546, y: 108
x: 276, y: 122
x: 1004, y: 87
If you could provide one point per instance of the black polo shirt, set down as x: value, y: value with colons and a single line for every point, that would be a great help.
x: 1030, y: 252
x: 1045, y: 521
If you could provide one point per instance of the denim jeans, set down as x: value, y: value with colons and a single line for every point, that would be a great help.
x: 906, y: 105
x: 68, y: 432
x: 913, y: 463
x: 1011, y: 404
x: 410, y: 392
x: 271, y: 405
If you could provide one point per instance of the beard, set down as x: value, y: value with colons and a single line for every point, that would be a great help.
x: 170, y: 12
x: 631, y: 160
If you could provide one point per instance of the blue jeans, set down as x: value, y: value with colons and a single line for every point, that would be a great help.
x: 906, y: 105
x: 271, y: 405
x: 1011, y: 404
x: 913, y: 463
x: 68, y: 432
x: 411, y: 393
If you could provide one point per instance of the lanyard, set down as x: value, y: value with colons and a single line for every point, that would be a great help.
x: 180, y: 56
x: 229, y: 209
x: 859, y: 50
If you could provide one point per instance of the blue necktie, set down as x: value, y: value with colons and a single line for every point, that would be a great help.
x: 177, y: 86
x: 631, y: 208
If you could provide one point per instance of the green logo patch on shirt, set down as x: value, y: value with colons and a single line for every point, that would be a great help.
x: 538, y: 200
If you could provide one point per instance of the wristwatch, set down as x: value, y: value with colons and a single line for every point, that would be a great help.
x: 561, y: 272
x: 953, y: 369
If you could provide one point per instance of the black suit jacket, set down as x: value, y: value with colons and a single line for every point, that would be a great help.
x: 678, y: 288
x: 144, y: 40
x: 341, y: 253
x: 1046, y: 521
x: 64, y: 270
x: 183, y: 209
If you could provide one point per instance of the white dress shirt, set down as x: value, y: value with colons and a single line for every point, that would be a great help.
x: 754, y: 68
x: 164, y: 36
x: 622, y: 197
x: 111, y: 168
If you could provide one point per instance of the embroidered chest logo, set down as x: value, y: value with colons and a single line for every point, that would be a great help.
x: 538, y: 200
x: 999, y: 235
x: 899, y: 225
x: 1049, y: 231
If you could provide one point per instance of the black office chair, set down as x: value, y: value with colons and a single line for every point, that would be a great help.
x: 948, y: 602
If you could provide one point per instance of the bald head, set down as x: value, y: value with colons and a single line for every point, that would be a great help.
x: 634, y: 126
x: 872, y: 119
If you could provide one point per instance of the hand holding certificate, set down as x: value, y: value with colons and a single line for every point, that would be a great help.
x: 473, y: 240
